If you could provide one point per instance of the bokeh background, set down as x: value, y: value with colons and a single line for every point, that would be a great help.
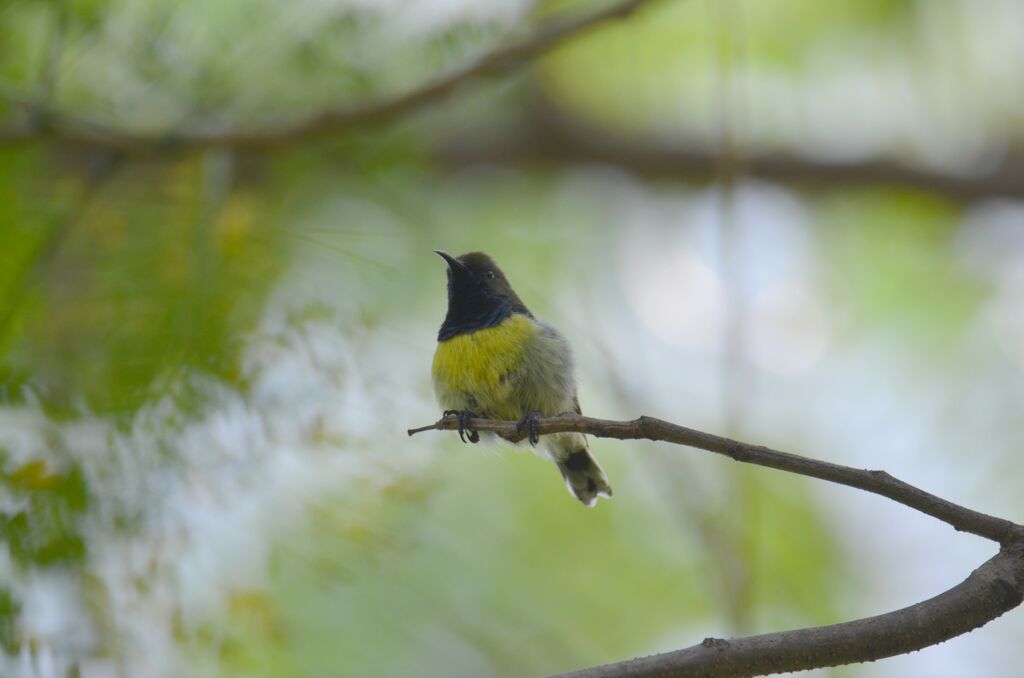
x: 798, y: 223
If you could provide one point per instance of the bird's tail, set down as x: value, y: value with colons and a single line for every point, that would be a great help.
x: 583, y: 475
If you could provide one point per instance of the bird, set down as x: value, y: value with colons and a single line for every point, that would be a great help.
x: 496, y: 360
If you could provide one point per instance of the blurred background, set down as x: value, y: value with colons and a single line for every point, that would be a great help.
x: 792, y: 222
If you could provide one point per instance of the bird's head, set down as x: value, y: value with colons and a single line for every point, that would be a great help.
x: 479, y: 294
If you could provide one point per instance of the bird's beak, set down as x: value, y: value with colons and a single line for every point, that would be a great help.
x: 453, y: 263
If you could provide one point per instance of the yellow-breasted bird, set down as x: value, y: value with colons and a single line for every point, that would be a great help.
x: 495, y: 360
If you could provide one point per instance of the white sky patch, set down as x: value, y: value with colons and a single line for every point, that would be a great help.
x: 990, y: 244
x: 677, y: 296
x: 991, y: 237
x: 418, y: 17
x: 1006, y: 313
x: 678, y: 280
x: 788, y: 330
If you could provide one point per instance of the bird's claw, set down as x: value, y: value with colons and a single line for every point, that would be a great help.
x: 463, y: 417
x: 528, y: 425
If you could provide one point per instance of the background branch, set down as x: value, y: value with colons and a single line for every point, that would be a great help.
x: 547, y: 140
x: 79, y: 131
x: 994, y: 588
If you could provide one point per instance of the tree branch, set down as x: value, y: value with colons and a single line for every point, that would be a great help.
x: 544, y: 144
x: 75, y: 130
x: 994, y: 588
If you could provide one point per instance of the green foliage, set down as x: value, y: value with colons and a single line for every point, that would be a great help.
x: 149, y: 272
x: 24, y: 27
x: 44, y: 528
x: 9, y: 611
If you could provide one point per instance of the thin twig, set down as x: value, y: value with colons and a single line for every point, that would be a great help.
x: 76, y: 130
x: 994, y: 588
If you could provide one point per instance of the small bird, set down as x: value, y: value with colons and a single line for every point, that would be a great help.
x: 495, y: 360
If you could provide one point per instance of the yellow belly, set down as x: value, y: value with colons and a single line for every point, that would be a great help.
x: 471, y: 371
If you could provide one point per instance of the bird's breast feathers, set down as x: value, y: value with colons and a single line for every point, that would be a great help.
x: 518, y: 366
x: 478, y: 364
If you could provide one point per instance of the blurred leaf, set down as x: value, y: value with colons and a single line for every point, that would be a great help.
x: 46, y: 531
x: 9, y: 611
x: 149, y: 282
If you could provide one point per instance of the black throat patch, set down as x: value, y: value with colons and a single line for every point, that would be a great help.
x: 469, y: 313
x: 479, y: 296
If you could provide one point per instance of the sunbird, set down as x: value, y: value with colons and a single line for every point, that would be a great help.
x: 495, y: 360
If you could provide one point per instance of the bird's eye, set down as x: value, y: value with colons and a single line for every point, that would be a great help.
x: 490, y: 274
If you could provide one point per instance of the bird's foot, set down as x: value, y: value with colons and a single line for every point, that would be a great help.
x: 463, y: 417
x: 528, y: 425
